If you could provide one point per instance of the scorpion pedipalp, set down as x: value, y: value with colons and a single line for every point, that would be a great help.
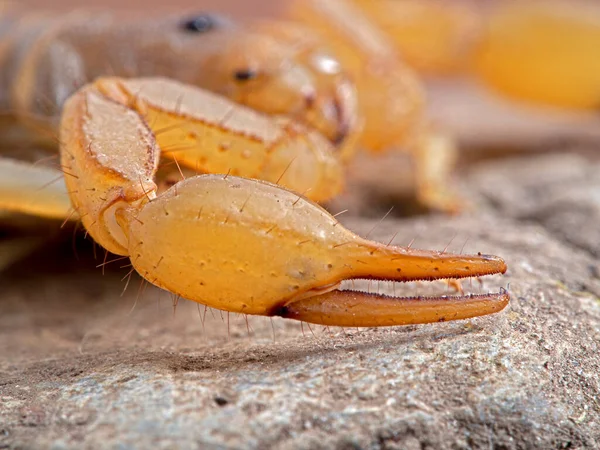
x: 238, y: 244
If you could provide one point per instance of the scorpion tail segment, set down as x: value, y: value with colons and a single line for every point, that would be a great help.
x: 360, y: 309
x: 212, y: 134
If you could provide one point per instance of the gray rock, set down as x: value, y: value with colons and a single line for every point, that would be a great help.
x: 79, y: 370
x: 560, y: 192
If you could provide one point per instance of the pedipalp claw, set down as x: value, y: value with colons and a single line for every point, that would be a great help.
x: 234, y: 243
x: 251, y: 247
x: 361, y: 309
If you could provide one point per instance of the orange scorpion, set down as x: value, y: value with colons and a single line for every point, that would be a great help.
x: 260, y: 119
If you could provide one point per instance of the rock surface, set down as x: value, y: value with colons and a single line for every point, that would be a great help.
x: 82, y: 367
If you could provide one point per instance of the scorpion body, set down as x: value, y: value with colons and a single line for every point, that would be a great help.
x: 46, y: 58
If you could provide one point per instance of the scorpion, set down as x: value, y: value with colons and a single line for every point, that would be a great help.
x: 258, y: 121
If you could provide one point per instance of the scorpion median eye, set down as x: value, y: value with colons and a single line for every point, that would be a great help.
x: 244, y: 74
x: 199, y: 24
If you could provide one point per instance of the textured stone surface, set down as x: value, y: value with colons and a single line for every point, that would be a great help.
x: 80, y: 370
x: 560, y: 192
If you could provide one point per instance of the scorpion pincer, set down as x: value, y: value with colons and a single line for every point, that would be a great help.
x: 238, y: 244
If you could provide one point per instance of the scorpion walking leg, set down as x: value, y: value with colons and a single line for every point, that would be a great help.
x: 233, y: 243
x: 434, y: 36
x: 434, y: 156
x: 35, y: 190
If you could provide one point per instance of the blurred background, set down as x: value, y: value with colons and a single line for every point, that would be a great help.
x: 233, y: 7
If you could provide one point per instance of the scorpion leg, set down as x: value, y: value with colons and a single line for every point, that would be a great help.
x: 434, y: 155
x: 238, y: 244
x: 434, y: 36
x: 35, y: 190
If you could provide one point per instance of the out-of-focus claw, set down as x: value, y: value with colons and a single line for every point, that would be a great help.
x: 361, y: 309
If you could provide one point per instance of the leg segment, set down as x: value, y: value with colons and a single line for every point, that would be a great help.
x: 434, y: 156
x: 211, y: 134
x: 34, y: 190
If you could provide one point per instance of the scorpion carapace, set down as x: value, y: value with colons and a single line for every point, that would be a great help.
x: 234, y: 243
